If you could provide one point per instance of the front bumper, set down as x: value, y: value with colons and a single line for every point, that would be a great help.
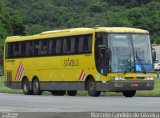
x: 125, y: 85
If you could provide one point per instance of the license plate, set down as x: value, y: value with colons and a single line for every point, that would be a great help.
x: 134, y: 85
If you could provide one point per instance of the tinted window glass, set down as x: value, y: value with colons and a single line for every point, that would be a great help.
x: 54, y: 46
x: 16, y: 49
x: 37, y: 47
x: 29, y: 48
x: 58, y: 46
x: 44, y: 49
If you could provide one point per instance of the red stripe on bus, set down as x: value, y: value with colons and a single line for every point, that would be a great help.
x: 21, y: 72
x: 81, y: 75
x: 17, y: 71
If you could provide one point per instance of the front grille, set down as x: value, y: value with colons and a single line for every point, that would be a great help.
x: 136, y: 78
x: 140, y: 78
x: 129, y: 78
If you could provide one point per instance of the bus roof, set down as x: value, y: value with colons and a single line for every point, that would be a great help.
x: 75, y: 31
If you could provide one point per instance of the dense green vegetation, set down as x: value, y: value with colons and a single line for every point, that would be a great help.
x: 26, y: 17
x: 34, y: 16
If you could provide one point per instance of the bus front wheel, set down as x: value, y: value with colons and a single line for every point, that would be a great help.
x: 36, y: 87
x: 72, y: 93
x: 91, y: 86
x: 26, y: 87
x: 129, y: 93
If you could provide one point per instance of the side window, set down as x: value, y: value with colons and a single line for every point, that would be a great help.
x: 52, y: 46
x: 81, y: 44
x: 67, y: 45
x: 9, y: 50
x: 87, y: 44
x: 64, y: 46
x: 72, y: 44
x: 58, y: 46
x: 44, y: 49
x: 76, y: 46
x: 30, y: 48
x: 16, y: 49
x: 101, y: 39
x: 37, y: 47
x: 23, y: 49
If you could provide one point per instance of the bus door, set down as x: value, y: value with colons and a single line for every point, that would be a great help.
x: 101, y: 53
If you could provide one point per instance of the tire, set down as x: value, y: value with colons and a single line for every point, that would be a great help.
x: 58, y: 92
x: 72, y: 93
x: 129, y: 93
x: 36, y: 87
x: 26, y: 87
x: 91, y: 87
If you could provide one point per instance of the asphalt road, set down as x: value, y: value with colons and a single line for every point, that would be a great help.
x: 43, y: 103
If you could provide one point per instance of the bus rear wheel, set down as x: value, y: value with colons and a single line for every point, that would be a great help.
x: 91, y: 86
x: 26, y: 87
x: 72, y: 93
x: 36, y: 87
x: 58, y: 92
x: 129, y: 93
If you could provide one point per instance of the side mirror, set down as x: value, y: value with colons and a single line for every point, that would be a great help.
x: 153, y: 54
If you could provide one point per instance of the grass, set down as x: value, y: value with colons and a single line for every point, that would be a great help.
x: 4, y: 89
x: 152, y: 93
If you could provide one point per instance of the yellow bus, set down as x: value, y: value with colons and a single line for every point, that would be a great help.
x: 101, y: 59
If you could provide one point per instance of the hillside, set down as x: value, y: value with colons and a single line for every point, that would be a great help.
x: 25, y: 17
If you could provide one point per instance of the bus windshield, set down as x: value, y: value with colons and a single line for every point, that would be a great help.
x: 130, y: 53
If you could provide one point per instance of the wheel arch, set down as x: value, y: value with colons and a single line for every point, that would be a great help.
x: 34, y: 78
x: 24, y: 78
x: 87, y: 79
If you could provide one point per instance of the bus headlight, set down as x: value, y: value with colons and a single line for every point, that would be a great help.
x: 149, y: 78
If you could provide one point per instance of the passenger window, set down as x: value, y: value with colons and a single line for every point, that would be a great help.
x: 72, y: 44
x: 30, y: 48
x: 76, y: 46
x: 81, y: 44
x: 37, y: 47
x: 52, y: 46
x: 87, y: 44
x: 44, y: 49
x: 58, y: 46
x: 16, y: 49
x: 9, y: 50
x: 23, y: 47
x: 64, y: 46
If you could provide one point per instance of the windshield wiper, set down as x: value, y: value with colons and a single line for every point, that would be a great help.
x: 140, y: 61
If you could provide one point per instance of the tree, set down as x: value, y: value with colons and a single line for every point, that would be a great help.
x: 17, y: 25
